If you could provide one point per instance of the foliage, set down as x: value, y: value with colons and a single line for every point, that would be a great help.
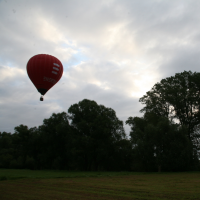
x: 158, y: 143
x: 178, y: 98
x: 90, y: 137
x: 98, y: 132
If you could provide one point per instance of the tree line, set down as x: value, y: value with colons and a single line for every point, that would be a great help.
x: 90, y: 137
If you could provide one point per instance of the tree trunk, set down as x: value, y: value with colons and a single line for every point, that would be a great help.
x: 159, y: 168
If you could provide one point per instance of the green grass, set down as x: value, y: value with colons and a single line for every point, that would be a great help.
x: 51, y: 185
x: 7, y: 174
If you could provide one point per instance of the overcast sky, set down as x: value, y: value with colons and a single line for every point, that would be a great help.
x: 113, y: 52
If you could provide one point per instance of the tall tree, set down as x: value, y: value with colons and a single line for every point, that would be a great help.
x: 178, y: 98
x: 22, y: 140
x: 99, y: 130
x: 6, y: 149
x: 55, y: 138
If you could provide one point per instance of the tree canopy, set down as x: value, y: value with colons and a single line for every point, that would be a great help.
x: 99, y: 131
x: 90, y: 136
x: 178, y: 98
x: 158, y: 143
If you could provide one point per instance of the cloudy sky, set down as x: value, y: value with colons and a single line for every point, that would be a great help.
x: 113, y: 52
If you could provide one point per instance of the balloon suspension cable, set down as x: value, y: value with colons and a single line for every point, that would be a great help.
x: 41, y: 98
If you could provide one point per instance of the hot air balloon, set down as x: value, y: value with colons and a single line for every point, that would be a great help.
x: 44, y: 71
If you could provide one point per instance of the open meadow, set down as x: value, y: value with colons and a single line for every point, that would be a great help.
x: 52, y: 185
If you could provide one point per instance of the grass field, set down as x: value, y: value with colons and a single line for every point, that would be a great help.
x: 59, y: 185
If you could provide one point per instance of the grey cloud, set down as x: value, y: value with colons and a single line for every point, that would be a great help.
x: 109, y: 49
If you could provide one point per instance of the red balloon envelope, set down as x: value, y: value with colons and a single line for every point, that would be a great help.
x: 44, y: 71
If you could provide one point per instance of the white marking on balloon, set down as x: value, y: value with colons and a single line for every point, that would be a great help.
x: 56, y: 64
x: 56, y: 68
x: 54, y: 72
x: 51, y: 80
